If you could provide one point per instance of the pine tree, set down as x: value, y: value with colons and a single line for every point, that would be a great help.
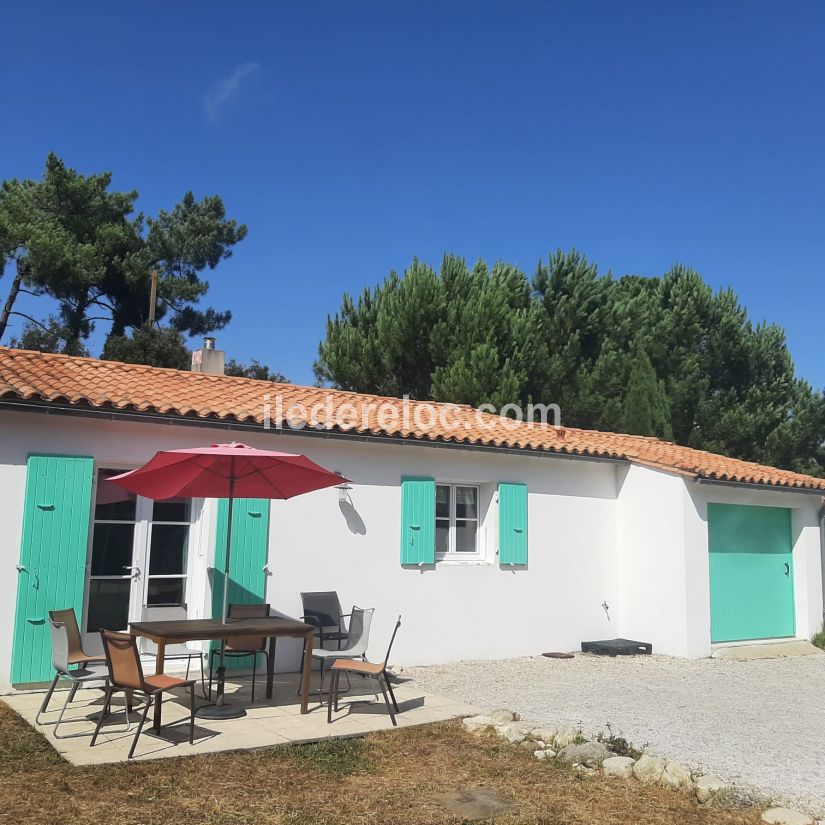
x: 645, y: 409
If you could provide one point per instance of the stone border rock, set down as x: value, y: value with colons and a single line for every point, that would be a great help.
x: 590, y: 757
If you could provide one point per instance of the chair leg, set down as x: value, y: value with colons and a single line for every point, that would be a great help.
x: 62, y: 711
x: 254, y: 668
x: 106, y: 699
x: 389, y: 688
x: 47, y: 698
x: 192, y: 714
x: 329, y: 700
x: 387, y: 700
x: 203, y: 676
x: 337, y: 690
x: 150, y: 700
x: 211, y: 668
x: 321, y: 688
x: 72, y: 692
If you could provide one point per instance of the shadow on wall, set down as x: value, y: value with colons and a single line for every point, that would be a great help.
x: 354, y: 522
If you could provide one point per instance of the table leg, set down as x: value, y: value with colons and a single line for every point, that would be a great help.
x: 270, y: 667
x: 159, y: 662
x: 309, y: 640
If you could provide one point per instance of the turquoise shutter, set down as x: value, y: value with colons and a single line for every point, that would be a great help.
x: 53, y: 550
x: 250, y: 540
x: 512, y: 523
x: 417, y: 521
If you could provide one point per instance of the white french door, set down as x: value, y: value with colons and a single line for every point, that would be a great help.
x: 138, y: 560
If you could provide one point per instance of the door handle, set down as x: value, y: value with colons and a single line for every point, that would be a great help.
x: 134, y: 570
x: 787, y: 569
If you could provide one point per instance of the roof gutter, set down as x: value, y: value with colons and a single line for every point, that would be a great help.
x: 400, y: 441
x: 753, y: 485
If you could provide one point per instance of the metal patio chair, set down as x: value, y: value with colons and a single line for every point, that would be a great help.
x: 76, y: 655
x: 357, y: 640
x: 323, y: 610
x: 80, y: 676
x: 243, y: 645
x: 172, y: 652
x: 126, y: 674
x: 377, y: 671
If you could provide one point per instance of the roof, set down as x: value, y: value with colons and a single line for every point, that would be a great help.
x: 48, y: 380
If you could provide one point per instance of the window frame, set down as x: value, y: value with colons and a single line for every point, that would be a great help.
x: 141, y: 553
x: 185, y: 574
x: 453, y: 555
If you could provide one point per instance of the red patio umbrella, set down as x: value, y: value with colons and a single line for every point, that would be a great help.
x: 227, y: 471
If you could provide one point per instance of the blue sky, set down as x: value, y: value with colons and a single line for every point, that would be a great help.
x: 352, y: 136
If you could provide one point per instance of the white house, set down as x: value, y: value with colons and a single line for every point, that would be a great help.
x: 493, y: 538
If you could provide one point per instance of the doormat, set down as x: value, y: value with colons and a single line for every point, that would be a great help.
x: 617, y: 647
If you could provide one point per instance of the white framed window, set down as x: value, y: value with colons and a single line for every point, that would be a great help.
x: 457, y: 533
x: 138, y: 556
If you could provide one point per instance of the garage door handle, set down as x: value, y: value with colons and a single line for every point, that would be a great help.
x: 787, y: 569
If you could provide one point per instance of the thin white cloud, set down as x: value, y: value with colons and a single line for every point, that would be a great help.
x: 221, y: 93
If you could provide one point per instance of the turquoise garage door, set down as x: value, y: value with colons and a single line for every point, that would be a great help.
x: 751, y: 572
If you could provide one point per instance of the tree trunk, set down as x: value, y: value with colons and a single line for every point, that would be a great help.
x: 15, y: 288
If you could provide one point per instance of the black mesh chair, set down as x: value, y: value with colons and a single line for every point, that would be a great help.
x: 323, y: 610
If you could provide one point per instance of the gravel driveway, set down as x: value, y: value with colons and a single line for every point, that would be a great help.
x: 758, y: 723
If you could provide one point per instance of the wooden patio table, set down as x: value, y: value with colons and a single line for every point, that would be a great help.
x: 193, y: 630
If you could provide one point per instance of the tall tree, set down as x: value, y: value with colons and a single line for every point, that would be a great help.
x: 662, y: 355
x: 69, y: 237
x: 255, y: 369
x: 466, y: 336
x: 645, y: 403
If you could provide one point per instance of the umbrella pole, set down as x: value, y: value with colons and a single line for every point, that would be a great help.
x: 220, y: 710
x: 225, y: 606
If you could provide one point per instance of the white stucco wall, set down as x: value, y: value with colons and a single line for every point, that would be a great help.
x: 450, y: 612
x: 629, y: 537
x: 652, y: 603
x: 807, y: 557
x: 663, y: 562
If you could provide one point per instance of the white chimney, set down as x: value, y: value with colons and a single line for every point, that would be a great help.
x: 208, y: 359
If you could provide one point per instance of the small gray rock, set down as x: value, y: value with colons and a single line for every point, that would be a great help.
x: 708, y: 785
x: 649, y: 768
x: 475, y: 724
x: 565, y: 737
x: 620, y: 767
x: 545, y: 733
x: 785, y: 816
x: 511, y: 732
x: 502, y: 716
x: 736, y: 796
x: 676, y: 776
x: 528, y: 746
x: 590, y: 754
x: 543, y: 754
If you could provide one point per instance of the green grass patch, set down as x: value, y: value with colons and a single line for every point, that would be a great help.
x: 332, y: 757
x: 819, y: 638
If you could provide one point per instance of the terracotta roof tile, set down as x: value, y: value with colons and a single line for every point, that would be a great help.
x: 85, y: 382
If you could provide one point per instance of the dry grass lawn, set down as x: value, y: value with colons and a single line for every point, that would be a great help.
x: 394, y: 777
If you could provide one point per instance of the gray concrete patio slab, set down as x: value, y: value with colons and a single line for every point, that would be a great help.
x: 267, y: 723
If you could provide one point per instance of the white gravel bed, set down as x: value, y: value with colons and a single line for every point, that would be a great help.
x: 758, y: 723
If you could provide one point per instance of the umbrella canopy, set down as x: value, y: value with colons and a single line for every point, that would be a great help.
x: 227, y: 471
